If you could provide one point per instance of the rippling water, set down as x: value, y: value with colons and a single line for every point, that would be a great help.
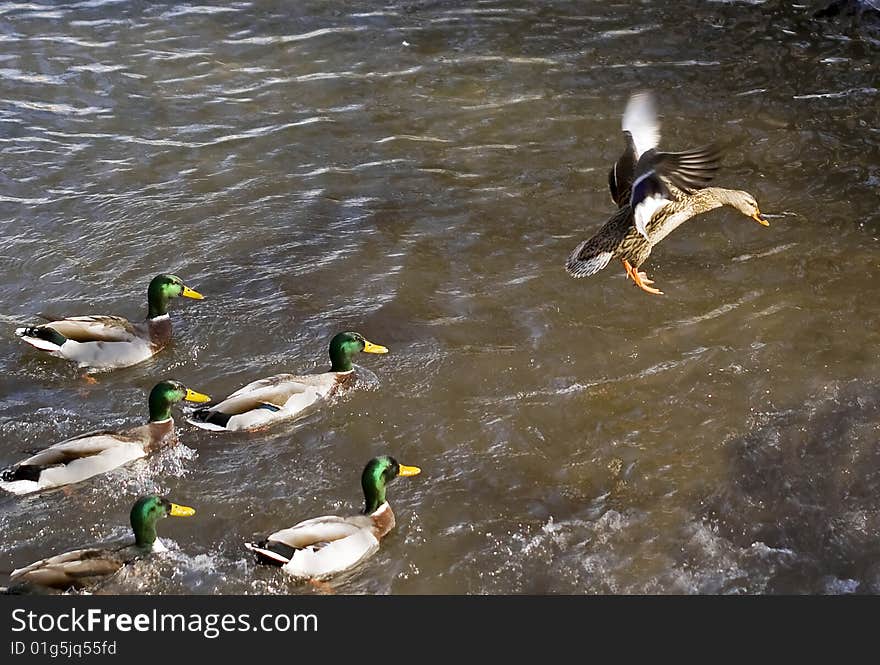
x: 419, y: 172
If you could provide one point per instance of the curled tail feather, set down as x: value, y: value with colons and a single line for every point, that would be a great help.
x: 21, y: 472
x: 42, y: 334
x: 272, y: 553
x: 209, y: 417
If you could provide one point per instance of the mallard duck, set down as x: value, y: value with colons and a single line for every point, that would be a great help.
x: 106, y: 342
x: 286, y: 396
x: 619, y: 239
x: 325, y: 546
x: 656, y: 192
x: 90, y: 454
x: 85, y: 568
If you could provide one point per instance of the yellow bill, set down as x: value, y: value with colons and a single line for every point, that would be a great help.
x: 192, y: 293
x: 181, y: 511
x: 409, y: 470
x: 369, y: 347
x: 193, y: 396
x: 757, y: 217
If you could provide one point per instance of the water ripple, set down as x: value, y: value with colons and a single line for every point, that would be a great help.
x: 284, y: 39
x: 57, y: 108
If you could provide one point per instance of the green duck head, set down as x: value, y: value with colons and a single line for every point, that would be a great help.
x: 377, y: 474
x: 344, y: 345
x: 147, y: 511
x: 166, y: 393
x: 164, y: 287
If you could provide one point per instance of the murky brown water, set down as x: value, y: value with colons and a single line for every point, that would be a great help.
x: 419, y: 172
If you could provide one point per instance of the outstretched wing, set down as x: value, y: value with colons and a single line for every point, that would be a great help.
x: 691, y: 169
x: 641, y: 132
x: 620, y: 177
x: 687, y: 171
x: 640, y: 121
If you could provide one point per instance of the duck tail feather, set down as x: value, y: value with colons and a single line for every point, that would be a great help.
x: 271, y: 553
x: 583, y: 263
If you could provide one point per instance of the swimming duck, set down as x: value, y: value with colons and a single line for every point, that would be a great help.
x: 85, y: 568
x: 107, y: 342
x: 325, y: 546
x: 286, y: 396
x: 619, y: 239
x: 87, y: 455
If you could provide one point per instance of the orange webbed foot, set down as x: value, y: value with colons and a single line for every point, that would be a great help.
x: 641, y: 279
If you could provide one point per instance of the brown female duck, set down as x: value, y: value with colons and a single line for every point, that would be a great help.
x: 619, y: 239
x: 655, y: 192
